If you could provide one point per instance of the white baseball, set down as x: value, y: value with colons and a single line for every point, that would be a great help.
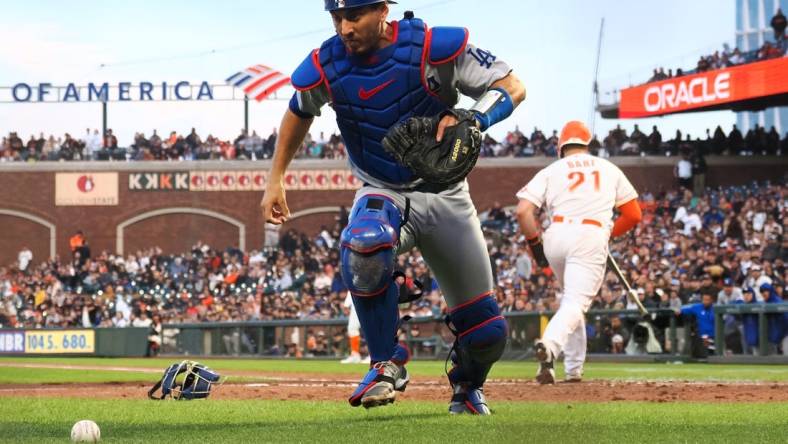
x: 85, y: 431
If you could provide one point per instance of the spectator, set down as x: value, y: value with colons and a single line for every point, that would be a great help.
x: 119, y: 320
x: 154, y: 337
x: 704, y: 321
x: 757, y: 279
x: 776, y: 322
x: 778, y: 24
x: 683, y: 172
x: 699, y: 169
x: 772, y: 142
x: 193, y: 140
x: 729, y: 293
x: 142, y: 320
x: 77, y: 241
x: 654, y: 141
x: 718, y: 141
x: 675, y: 143
x: 616, y: 335
x: 749, y: 324
x: 92, y: 144
x: 735, y: 141
x: 269, y: 145
x: 638, y: 138
x: 110, y: 141
x: 23, y: 258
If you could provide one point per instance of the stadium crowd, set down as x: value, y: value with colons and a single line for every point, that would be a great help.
x: 92, y: 146
x: 768, y: 50
x: 757, y: 141
x: 177, y: 147
x: 720, y: 245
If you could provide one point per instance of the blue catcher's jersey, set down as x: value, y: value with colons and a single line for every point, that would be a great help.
x: 369, y: 96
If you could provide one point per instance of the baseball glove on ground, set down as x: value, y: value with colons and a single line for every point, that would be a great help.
x: 412, y: 143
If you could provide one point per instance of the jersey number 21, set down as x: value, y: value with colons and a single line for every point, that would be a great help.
x: 579, y: 177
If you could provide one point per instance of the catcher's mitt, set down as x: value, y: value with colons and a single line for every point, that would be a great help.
x: 412, y: 143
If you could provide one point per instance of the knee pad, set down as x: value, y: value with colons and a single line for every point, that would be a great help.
x: 481, y: 334
x: 368, y: 245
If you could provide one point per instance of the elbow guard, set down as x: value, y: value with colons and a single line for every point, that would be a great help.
x: 493, y: 106
x: 630, y: 216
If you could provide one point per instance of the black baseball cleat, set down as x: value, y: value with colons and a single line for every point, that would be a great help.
x: 546, y: 372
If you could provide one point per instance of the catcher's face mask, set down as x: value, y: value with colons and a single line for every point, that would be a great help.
x: 186, y: 380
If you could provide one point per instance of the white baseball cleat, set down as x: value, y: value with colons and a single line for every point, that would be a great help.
x: 546, y: 372
x: 354, y: 358
x: 576, y: 376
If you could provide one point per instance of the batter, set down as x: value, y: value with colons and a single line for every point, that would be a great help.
x: 375, y: 73
x: 579, y: 192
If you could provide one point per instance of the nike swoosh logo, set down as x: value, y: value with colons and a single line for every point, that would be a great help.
x: 366, y: 95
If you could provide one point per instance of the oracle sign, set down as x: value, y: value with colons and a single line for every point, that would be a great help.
x: 706, y: 90
x: 671, y: 96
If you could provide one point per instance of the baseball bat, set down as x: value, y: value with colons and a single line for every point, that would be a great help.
x: 632, y: 295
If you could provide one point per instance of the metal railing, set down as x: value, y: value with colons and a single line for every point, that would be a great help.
x: 427, y: 337
x: 764, y: 312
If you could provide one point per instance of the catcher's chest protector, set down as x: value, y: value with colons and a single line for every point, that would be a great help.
x: 370, y: 98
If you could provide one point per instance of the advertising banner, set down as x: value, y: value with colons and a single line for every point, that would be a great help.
x: 705, y: 90
x: 86, y: 189
x: 12, y: 341
x: 59, y: 341
x: 47, y: 341
x: 298, y: 180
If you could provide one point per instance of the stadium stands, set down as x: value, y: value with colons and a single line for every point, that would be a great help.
x: 758, y: 141
x: 685, y: 247
x: 727, y: 58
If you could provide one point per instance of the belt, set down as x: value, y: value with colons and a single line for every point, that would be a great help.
x: 425, y: 187
x: 433, y: 187
x: 560, y: 219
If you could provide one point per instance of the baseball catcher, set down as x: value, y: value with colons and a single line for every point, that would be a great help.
x: 393, y: 86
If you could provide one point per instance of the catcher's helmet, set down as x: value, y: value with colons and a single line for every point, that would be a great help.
x: 185, y: 380
x: 335, y: 5
x: 575, y: 132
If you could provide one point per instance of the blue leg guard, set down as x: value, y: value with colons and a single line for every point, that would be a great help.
x: 367, y: 255
x: 481, y: 334
x: 379, y: 317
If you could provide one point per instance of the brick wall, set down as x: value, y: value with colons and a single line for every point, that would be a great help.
x: 31, y: 189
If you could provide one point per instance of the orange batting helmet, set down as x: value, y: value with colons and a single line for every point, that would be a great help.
x: 575, y: 132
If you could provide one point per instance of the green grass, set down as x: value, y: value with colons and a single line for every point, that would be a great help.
x: 43, y: 419
x: 50, y: 420
x: 9, y: 375
x: 502, y: 370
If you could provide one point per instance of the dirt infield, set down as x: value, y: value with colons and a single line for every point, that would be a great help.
x: 325, y: 389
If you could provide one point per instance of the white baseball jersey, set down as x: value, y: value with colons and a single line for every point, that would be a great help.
x: 580, y: 186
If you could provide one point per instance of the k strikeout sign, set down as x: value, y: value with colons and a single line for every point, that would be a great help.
x: 704, y: 90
